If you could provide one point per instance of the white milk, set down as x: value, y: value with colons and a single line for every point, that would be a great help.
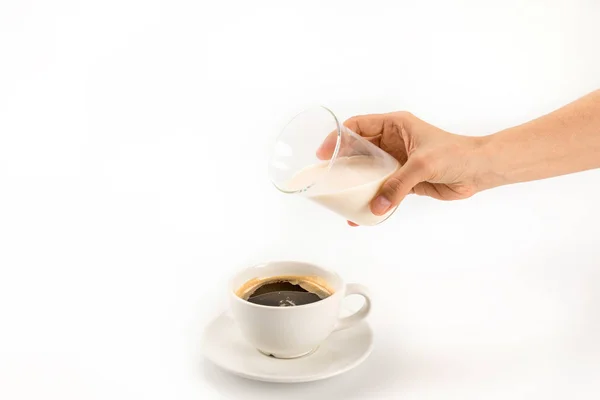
x: 348, y: 187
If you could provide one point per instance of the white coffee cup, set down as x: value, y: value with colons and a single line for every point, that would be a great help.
x: 290, y: 332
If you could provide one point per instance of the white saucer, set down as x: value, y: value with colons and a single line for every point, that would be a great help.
x: 343, y: 350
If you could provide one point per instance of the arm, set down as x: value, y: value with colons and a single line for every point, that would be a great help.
x: 446, y: 166
x: 564, y: 141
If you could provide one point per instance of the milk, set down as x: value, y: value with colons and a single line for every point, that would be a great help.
x: 347, y: 188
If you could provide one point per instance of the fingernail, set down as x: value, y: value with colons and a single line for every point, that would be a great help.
x: 380, y: 205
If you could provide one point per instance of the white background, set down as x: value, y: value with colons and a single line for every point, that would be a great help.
x: 133, y: 145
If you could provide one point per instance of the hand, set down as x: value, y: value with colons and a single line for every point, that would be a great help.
x: 434, y: 162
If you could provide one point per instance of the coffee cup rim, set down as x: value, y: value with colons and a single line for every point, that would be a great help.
x: 232, y: 288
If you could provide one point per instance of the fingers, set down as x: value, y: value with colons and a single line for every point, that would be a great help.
x: 367, y: 125
x: 325, y: 151
x: 393, y: 191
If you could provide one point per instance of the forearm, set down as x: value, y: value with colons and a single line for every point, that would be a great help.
x: 562, y: 142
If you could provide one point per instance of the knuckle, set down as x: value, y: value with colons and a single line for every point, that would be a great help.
x: 404, y: 120
x: 422, y: 162
x: 352, y: 120
x: 356, y: 118
x: 353, y: 123
x: 394, y: 184
x: 403, y: 116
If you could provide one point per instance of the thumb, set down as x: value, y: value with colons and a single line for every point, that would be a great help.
x: 393, y: 191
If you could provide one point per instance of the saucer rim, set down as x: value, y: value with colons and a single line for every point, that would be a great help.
x: 290, y: 379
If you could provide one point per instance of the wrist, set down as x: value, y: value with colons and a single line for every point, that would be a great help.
x: 489, y: 172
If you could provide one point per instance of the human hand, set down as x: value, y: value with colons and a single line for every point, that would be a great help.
x: 434, y: 162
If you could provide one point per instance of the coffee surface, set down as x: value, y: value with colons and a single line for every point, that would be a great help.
x: 283, y: 291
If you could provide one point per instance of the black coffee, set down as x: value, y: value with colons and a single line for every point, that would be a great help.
x: 284, y: 294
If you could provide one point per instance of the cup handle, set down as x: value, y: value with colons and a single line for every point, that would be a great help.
x: 347, y: 322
